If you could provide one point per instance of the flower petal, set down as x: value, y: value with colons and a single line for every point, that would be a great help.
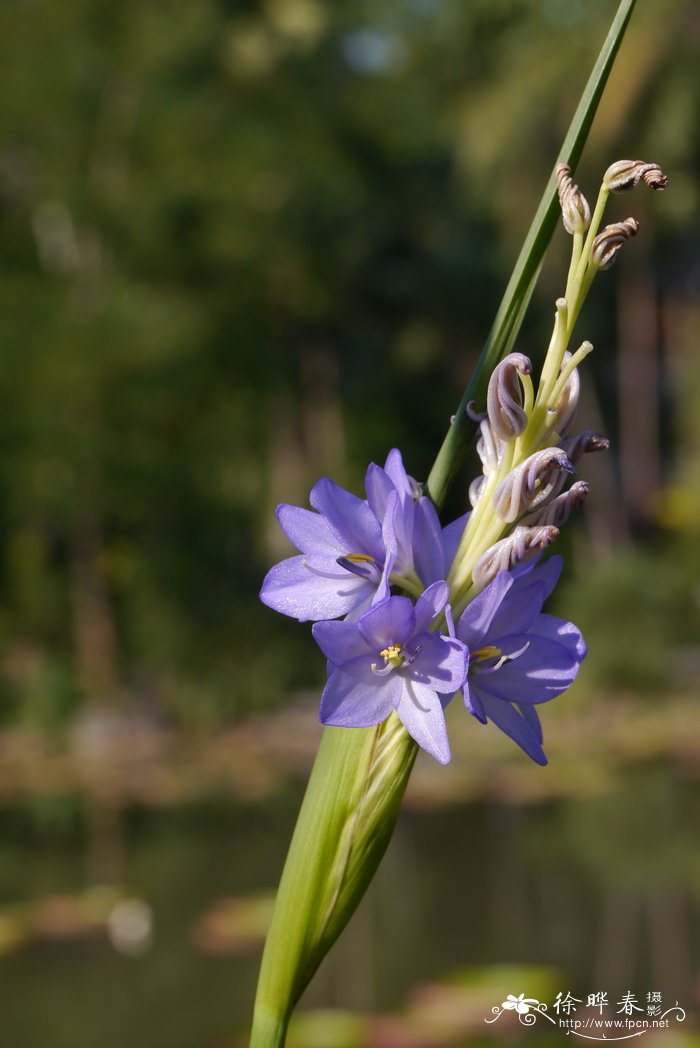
x: 517, y: 613
x: 339, y: 641
x: 350, y: 517
x: 310, y: 532
x: 355, y: 698
x: 391, y: 622
x: 474, y: 626
x: 420, y: 710
x: 473, y: 702
x: 378, y: 486
x: 451, y: 535
x: 291, y: 588
x: 429, y: 605
x: 441, y: 663
x: 427, y: 543
x: 510, y: 721
x: 543, y: 671
x: 561, y: 631
x: 396, y: 471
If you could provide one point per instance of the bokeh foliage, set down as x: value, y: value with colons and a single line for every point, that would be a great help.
x: 245, y: 244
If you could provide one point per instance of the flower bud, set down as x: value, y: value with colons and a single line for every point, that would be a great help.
x: 626, y: 174
x: 584, y: 444
x: 607, y: 244
x: 560, y: 508
x: 567, y: 402
x: 574, y: 207
x: 504, y: 399
x: 509, y: 552
x: 475, y: 489
x: 531, y: 483
x: 488, y: 448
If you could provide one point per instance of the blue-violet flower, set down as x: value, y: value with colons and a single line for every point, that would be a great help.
x: 519, y: 656
x: 389, y: 660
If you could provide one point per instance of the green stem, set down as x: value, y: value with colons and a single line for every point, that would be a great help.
x: 346, y: 821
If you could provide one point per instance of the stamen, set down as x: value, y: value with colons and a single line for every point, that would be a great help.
x: 361, y: 564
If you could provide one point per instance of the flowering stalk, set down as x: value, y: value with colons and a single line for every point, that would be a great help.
x: 409, y: 614
x: 346, y: 820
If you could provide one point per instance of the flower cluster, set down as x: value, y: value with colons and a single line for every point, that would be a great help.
x: 387, y: 653
x: 409, y: 613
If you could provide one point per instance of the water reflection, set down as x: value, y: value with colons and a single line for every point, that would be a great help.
x: 601, y: 893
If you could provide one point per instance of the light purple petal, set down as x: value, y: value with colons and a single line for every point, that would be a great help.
x: 473, y: 702
x: 395, y: 470
x: 391, y: 622
x: 519, y: 610
x: 292, y: 589
x: 532, y: 718
x: 548, y: 572
x: 350, y: 517
x: 378, y: 486
x: 429, y: 605
x: 451, y: 536
x: 310, y: 532
x: 427, y: 543
x: 474, y: 626
x: 339, y: 641
x: 441, y: 663
x: 355, y: 698
x: 421, y: 712
x: 397, y: 529
x: 543, y: 671
x: 509, y: 720
x: 562, y: 631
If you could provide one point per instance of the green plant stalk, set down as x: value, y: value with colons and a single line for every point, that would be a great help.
x: 346, y: 821
x: 517, y: 295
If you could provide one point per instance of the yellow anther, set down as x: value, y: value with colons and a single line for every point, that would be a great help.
x: 393, y: 654
x: 487, y: 652
x: 360, y: 558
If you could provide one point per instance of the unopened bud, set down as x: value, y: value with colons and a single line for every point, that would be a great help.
x: 489, y: 448
x: 504, y: 399
x: 567, y: 402
x: 505, y: 555
x: 626, y: 174
x: 607, y: 244
x: 475, y: 489
x: 531, y: 483
x: 584, y: 444
x: 560, y: 508
x: 574, y: 207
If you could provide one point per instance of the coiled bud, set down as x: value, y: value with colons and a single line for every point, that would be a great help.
x: 559, y: 509
x: 574, y: 207
x: 626, y: 174
x: 531, y: 483
x: 504, y: 399
x: 584, y: 444
x: 607, y: 244
x: 523, y: 544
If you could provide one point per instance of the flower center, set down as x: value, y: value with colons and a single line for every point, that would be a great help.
x: 393, y: 655
x: 489, y: 651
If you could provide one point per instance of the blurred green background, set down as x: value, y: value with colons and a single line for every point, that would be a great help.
x: 243, y: 245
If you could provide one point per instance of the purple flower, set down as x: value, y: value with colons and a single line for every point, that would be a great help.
x: 350, y: 548
x: 518, y: 656
x: 389, y: 660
